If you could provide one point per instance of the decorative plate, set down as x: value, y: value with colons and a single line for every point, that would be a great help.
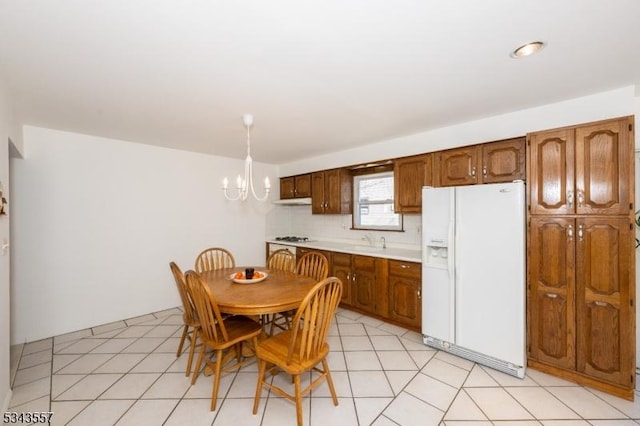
x: 239, y: 278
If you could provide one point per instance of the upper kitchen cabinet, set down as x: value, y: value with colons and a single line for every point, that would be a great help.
x: 410, y: 175
x: 331, y: 192
x: 586, y: 169
x: 295, y: 186
x: 500, y: 161
x: 457, y: 166
x: 503, y: 161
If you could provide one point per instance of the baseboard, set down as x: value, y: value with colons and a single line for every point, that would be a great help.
x: 7, y: 401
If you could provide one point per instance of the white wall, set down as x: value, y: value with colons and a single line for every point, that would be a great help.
x: 615, y: 103
x: 6, y: 128
x: 96, y: 222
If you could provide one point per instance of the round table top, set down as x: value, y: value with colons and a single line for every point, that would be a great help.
x: 280, y: 291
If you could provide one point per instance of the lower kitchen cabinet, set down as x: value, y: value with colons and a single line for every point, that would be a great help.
x: 384, y: 288
x: 581, y: 300
x: 405, y: 284
x: 301, y: 251
x: 363, y: 280
x: 341, y: 268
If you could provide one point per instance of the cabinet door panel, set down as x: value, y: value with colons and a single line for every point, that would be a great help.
x: 551, y: 295
x: 287, y: 188
x: 603, y: 165
x: 410, y: 175
x: 503, y: 161
x: 317, y: 191
x: 341, y: 268
x: 551, y: 165
x: 303, y: 185
x: 364, y: 283
x: 404, y: 300
x: 332, y: 191
x: 604, y: 314
x: 458, y: 166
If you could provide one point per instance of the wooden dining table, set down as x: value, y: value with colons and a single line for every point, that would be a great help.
x: 280, y: 291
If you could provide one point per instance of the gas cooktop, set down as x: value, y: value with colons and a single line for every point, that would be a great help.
x: 291, y: 239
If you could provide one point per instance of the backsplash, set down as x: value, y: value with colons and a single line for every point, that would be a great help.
x: 298, y: 220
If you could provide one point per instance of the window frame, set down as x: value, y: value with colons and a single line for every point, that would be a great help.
x: 356, y: 222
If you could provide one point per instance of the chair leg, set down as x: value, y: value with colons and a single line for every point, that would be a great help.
x: 216, y: 380
x: 184, y: 335
x: 238, y: 349
x: 256, y: 400
x: 192, y: 350
x: 332, y: 389
x: 296, y: 381
x: 196, y: 372
x: 272, y: 324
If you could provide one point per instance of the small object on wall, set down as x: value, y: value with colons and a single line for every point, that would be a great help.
x: 3, y: 200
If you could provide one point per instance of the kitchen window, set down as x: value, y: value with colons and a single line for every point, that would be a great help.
x: 373, y: 202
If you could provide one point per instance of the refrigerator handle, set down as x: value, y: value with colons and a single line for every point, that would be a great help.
x: 450, y: 249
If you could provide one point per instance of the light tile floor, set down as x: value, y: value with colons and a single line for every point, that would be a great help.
x: 126, y: 373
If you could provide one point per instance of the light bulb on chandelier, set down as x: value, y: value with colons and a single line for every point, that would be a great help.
x: 243, y: 186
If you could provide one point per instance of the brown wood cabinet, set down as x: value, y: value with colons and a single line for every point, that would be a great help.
x: 604, y: 302
x: 551, y: 291
x: 410, y: 175
x: 341, y: 268
x: 331, y: 192
x: 385, y: 288
x: 295, y: 186
x: 582, y: 170
x: 581, y: 265
x: 503, y: 161
x: 581, y: 314
x: 500, y: 161
x: 301, y: 251
x: 405, y: 284
x: 363, y: 280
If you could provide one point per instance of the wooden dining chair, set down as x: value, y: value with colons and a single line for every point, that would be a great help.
x: 282, y: 260
x: 191, y: 328
x: 303, y: 347
x: 218, y: 333
x: 312, y: 264
x: 279, y: 260
x: 214, y: 258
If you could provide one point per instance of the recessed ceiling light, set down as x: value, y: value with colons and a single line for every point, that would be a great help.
x: 527, y: 49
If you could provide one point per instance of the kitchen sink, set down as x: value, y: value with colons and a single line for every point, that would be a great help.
x: 367, y: 249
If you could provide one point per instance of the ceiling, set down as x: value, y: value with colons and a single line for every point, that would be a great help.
x: 318, y: 76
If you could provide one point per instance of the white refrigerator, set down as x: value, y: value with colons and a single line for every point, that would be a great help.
x: 473, y: 273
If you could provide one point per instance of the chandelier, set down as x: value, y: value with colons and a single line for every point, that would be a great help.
x: 243, y: 186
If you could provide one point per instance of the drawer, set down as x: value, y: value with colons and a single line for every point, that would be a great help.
x: 342, y: 259
x: 405, y: 269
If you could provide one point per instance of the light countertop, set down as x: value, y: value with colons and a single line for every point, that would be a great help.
x: 409, y: 255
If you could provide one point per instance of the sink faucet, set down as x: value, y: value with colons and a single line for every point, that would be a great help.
x: 384, y: 242
x: 369, y: 239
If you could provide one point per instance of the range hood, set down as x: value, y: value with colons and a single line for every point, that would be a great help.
x: 294, y: 202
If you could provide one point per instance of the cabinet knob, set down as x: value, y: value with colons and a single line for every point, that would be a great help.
x: 551, y: 295
x: 599, y: 303
x: 580, y: 233
x: 484, y: 171
x: 570, y: 198
x: 473, y: 171
x: 403, y: 266
x: 570, y: 232
x: 580, y: 198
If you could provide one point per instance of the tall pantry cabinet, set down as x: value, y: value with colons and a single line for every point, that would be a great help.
x: 581, y: 254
